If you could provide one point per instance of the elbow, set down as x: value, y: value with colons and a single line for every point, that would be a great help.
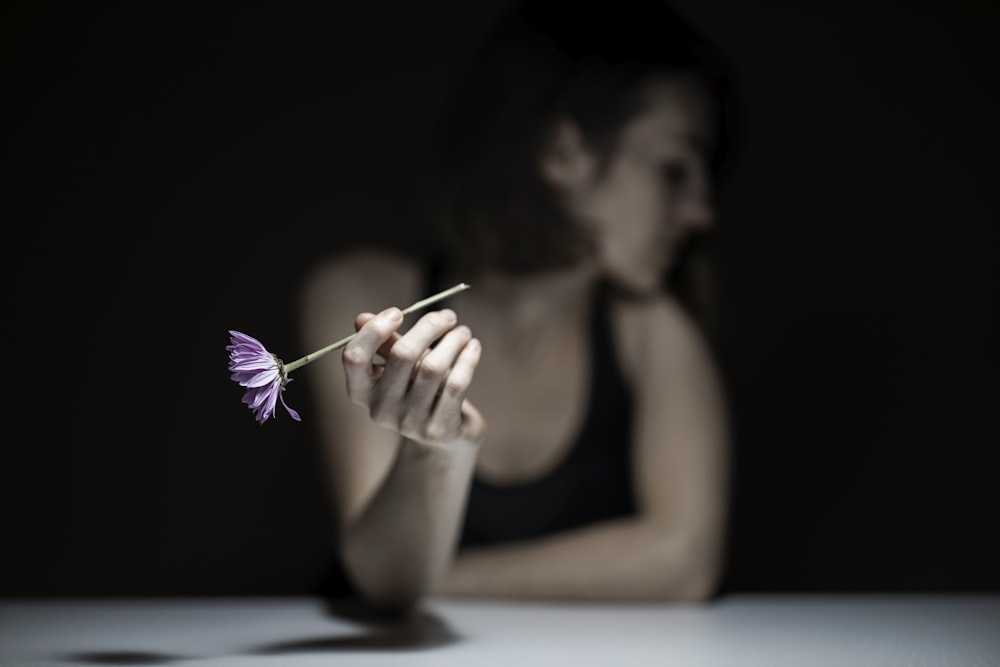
x: 699, y: 587
x: 388, y: 586
x: 700, y: 576
x: 390, y: 593
x: 693, y: 587
x: 685, y: 575
x: 390, y: 600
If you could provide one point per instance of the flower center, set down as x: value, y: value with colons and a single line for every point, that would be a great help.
x: 281, y: 371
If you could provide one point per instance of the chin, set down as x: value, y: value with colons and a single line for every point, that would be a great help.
x: 637, y: 285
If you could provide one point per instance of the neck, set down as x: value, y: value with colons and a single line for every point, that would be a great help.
x: 529, y: 302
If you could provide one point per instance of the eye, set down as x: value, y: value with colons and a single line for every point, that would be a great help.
x: 675, y: 173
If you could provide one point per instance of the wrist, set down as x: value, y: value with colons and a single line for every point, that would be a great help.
x: 459, y: 451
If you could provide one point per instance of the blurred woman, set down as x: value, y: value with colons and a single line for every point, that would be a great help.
x: 559, y: 430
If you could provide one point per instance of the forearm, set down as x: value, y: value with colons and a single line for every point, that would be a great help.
x: 627, y: 559
x: 398, y: 545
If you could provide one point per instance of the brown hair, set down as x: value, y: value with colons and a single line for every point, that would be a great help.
x: 547, y: 60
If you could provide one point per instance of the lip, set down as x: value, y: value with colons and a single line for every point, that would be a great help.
x: 656, y: 257
x: 667, y: 248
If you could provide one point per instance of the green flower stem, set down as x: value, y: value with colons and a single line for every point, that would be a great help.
x: 313, y: 356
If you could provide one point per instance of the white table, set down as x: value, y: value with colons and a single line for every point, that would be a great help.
x: 738, y: 630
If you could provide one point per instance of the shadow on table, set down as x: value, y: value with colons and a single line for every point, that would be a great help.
x: 122, y: 658
x: 374, y: 631
x: 414, y: 630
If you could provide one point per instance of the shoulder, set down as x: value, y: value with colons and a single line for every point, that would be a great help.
x: 355, y: 281
x: 658, y: 333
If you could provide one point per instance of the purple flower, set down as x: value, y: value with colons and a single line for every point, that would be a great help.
x: 261, y: 372
x: 265, y: 376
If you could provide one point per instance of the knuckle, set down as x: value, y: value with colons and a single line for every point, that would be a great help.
x: 440, y: 318
x: 404, y: 351
x: 435, y: 432
x: 386, y: 422
x: 409, y: 426
x: 381, y: 325
x: 381, y: 415
x: 353, y: 357
x: 432, y: 367
x: 455, y: 386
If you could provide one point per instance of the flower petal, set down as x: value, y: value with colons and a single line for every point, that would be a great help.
x: 293, y: 413
x: 253, y: 367
x: 262, y: 378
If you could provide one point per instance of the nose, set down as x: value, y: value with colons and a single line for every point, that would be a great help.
x: 696, y: 213
x: 695, y: 206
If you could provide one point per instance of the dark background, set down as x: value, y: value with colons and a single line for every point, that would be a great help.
x: 174, y: 170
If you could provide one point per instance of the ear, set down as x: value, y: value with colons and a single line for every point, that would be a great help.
x: 565, y: 160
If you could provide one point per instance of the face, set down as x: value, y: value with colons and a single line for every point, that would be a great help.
x: 653, y: 192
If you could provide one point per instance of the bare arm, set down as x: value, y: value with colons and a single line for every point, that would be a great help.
x: 672, y: 549
x: 401, y: 441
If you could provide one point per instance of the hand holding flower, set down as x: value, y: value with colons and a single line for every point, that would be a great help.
x: 265, y: 376
x: 419, y: 392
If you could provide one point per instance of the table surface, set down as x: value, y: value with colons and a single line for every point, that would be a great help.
x: 737, y: 630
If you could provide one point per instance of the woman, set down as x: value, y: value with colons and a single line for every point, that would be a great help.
x: 559, y: 429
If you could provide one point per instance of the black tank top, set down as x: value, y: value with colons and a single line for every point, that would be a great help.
x: 593, y: 480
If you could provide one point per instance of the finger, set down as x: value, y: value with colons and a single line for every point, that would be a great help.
x: 403, y: 356
x: 429, y: 377
x: 359, y: 355
x: 446, y: 415
x: 383, y: 350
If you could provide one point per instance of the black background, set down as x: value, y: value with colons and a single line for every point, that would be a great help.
x: 174, y: 170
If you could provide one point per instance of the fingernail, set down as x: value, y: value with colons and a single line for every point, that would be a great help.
x: 394, y: 314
